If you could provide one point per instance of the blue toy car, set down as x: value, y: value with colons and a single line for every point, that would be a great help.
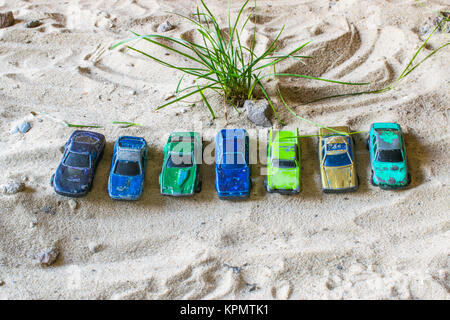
x: 126, y: 177
x: 232, y: 164
x: 82, y: 153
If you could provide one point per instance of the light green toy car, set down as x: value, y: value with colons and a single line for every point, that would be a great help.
x: 283, y: 162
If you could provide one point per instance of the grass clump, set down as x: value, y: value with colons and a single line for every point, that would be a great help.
x: 222, y: 61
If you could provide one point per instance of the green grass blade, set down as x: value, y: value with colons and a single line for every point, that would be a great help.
x: 207, y: 103
x: 185, y: 96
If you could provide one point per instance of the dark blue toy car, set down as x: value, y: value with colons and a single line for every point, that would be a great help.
x: 82, y: 153
x: 232, y: 164
x: 127, y: 174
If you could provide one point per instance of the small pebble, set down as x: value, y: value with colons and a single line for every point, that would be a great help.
x: 133, y: 92
x: 235, y: 269
x: 48, y: 209
x: 33, y: 224
x: 2, y: 283
x: 12, y: 187
x: 24, y: 127
x: 170, y: 95
x: 48, y: 256
x: 72, y: 204
x: 251, y: 286
x: 94, y: 247
x: 165, y: 26
x: 33, y: 23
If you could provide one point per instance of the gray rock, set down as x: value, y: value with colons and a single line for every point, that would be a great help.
x: 256, y: 112
x: 48, y: 256
x: 165, y: 26
x: 12, y: 187
x: 6, y: 19
x: 24, y: 127
x: 33, y: 23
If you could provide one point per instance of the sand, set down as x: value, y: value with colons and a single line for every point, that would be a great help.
x: 372, y: 244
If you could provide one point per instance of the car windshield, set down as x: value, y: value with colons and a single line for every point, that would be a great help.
x: 180, y: 161
x: 77, y: 160
x: 284, y: 164
x: 127, y: 168
x: 233, y: 160
x: 394, y: 155
x: 182, y: 139
x: 337, y: 160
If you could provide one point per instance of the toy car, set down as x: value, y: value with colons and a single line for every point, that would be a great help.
x: 232, y: 164
x: 387, y: 156
x: 82, y: 153
x: 180, y: 174
x: 127, y: 173
x: 283, y: 166
x: 337, y: 160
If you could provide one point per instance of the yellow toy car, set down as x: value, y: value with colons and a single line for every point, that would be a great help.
x: 337, y: 160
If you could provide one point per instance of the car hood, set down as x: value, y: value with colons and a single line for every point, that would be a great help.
x: 284, y: 179
x: 178, y: 180
x: 71, y: 179
x: 392, y: 173
x: 233, y: 180
x: 123, y: 186
x: 338, y: 177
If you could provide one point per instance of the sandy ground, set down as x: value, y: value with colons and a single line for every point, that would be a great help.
x: 372, y: 244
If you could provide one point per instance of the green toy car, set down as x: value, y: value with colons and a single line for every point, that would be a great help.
x: 283, y: 162
x: 180, y: 174
x: 387, y: 156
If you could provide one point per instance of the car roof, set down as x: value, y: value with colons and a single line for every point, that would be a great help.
x: 230, y: 141
x: 284, y: 144
x: 341, y: 144
x: 127, y: 154
x: 83, y: 141
x: 388, y: 138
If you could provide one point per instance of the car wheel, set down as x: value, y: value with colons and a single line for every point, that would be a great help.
x: 52, y: 178
x: 371, y: 180
x: 199, y: 186
x: 409, y: 179
x: 367, y: 143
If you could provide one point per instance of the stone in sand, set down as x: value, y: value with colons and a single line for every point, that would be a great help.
x: 33, y: 23
x: 24, y: 127
x: 165, y: 26
x: 12, y: 187
x: 256, y: 112
x: 48, y: 256
x: 72, y: 204
x: 6, y: 19
x: 94, y: 247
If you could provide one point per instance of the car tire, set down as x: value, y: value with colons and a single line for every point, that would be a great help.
x: 199, y: 187
x: 371, y: 180
x: 52, y: 178
x: 409, y: 179
x: 367, y: 143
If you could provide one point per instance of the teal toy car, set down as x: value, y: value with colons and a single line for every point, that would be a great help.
x: 180, y: 174
x: 387, y: 151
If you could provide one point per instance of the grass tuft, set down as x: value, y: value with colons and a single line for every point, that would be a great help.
x: 222, y: 62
